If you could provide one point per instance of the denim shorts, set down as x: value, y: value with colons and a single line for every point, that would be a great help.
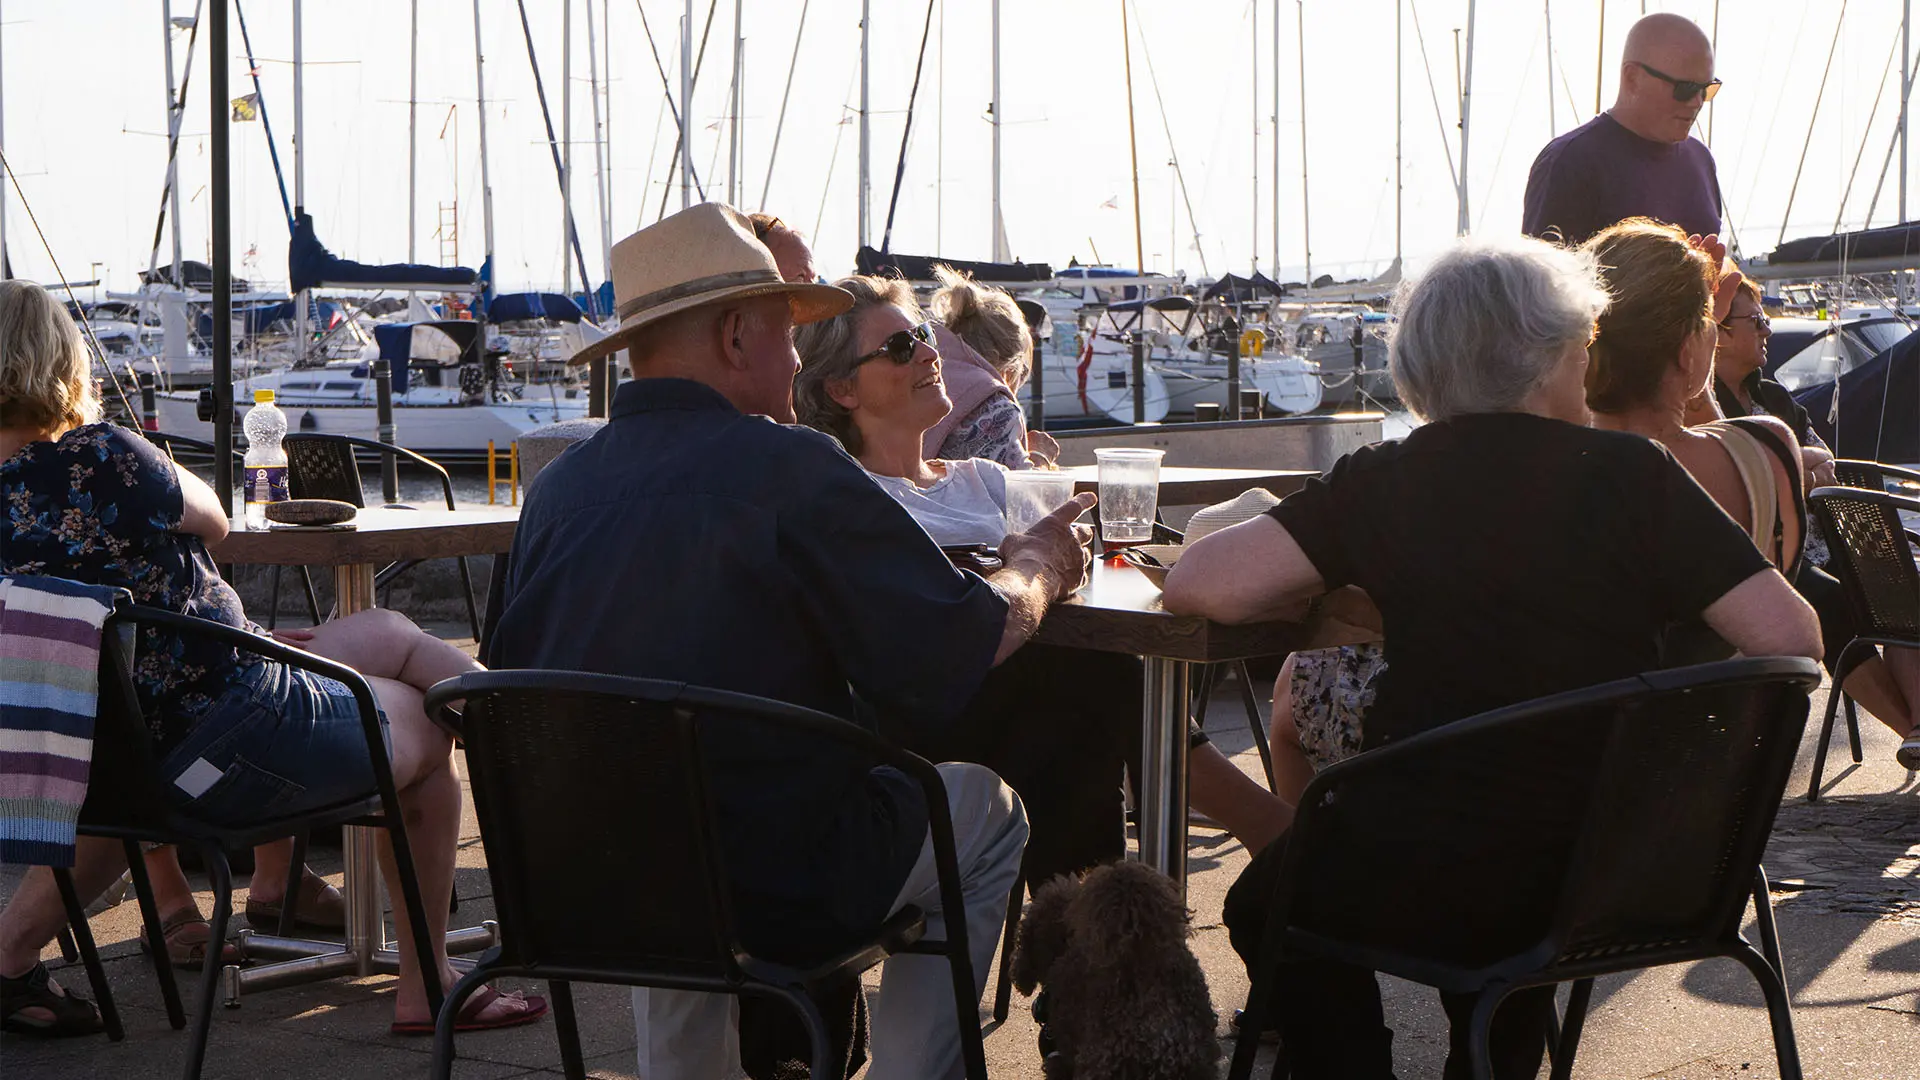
x: 279, y: 741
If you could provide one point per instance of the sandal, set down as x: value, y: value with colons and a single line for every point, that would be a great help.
x: 72, y: 1014
x: 530, y: 1009
x: 187, y: 935
x: 321, y: 907
x: 1909, y: 753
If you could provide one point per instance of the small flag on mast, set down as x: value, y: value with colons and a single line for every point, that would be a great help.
x: 246, y: 108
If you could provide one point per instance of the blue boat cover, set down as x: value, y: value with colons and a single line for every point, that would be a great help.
x: 310, y: 264
x: 521, y: 306
x: 396, y: 345
x: 1879, y: 407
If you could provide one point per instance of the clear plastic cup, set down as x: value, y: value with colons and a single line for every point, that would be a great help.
x: 1033, y: 494
x: 1129, y: 493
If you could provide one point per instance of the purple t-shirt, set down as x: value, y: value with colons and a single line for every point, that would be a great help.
x: 1600, y: 173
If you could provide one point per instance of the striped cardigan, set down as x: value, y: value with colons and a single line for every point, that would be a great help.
x: 49, y: 693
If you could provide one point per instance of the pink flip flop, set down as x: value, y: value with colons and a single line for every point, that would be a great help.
x: 469, y: 1019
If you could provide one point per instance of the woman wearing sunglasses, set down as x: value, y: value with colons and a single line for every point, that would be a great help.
x: 1055, y: 724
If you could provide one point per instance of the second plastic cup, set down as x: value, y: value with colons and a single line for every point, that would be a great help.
x: 1129, y: 493
x: 1033, y: 494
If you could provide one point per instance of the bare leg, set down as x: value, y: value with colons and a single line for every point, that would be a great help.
x: 382, y: 644
x: 430, y: 804
x: 270, y: 864
x: 1217, y: 788
x: 171, y: 892
x: 1879, y: 687
x: 35, y: 914
x: 1292, y: 772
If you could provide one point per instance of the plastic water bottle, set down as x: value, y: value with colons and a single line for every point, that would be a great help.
x: 266, y: 461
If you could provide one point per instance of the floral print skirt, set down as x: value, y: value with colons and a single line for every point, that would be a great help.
x: 1332, y: 689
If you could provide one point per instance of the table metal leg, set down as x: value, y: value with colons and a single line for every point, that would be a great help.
x: 1163, y: 787
x: 366, y: 951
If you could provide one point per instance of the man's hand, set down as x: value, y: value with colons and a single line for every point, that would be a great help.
x: 1729, y: 273
x: 1052, y: 547
x: 1042, y: 450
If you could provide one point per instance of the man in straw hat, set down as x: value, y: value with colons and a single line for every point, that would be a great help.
x: 697, y: 537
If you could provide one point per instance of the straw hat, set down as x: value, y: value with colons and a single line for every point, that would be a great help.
x: 1248, y: 505
x: 705, y: 254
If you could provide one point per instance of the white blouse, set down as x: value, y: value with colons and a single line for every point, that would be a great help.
x: 966, y: 506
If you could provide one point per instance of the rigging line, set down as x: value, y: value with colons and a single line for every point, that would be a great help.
x: 1501, y: 154
x: 1445, y: 143
x: 266, y: 124
x: 679, y: 122
x: 1573, y: 107
x: 906, y: 131
x: 840, y: 130
x: 85, y: 326
x: 673, y: 162
x: 1885, y: 164
x: 1811, y: 122
x: 559, y: 171
x: 1765, y: 145
x: 178, y: 105
x: 781, y: 124
x: 1866, y: 132
x: 1178, y: 176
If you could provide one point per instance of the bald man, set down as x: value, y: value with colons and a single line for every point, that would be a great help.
x: 1637, y: 158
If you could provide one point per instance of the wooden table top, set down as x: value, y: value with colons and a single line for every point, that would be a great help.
x: 379, y: 535
x: 1184, y: 486
x: 1119, y: 611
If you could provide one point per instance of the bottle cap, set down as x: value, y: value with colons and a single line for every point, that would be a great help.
x: 261, y: 397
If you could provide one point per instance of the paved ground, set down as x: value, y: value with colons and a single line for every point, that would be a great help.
x: 1847, y: 874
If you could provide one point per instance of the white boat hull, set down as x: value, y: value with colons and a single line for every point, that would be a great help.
x: 442, y: 432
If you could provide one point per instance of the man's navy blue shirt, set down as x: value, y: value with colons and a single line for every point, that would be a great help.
x: 688, y: 541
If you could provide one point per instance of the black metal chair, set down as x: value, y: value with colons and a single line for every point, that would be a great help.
x: 1652, y: 805
x: 127, y: 799
x: 327, y: 467
x: 556, y: 753
x: 1875, y: 476
x: 1872, y: 555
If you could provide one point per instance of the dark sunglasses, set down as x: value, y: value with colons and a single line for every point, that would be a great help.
x: 900, y: 345
x: 1684, y: 89
x: 1760, y: 322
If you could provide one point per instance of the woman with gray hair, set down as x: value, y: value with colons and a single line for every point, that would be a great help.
x: 1513, y: 552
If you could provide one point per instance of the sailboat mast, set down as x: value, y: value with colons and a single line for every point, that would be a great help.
x: 1600, y: 58
x: 1466, y: 119
x: 299, y: 174
x: 1906, y: 90
x: 1275, y: 182
x: 566, y: 146
x: 413, y: 127
x: 486, y: 181
x: 1000, y: 252
x: 866, y: 141
x: 1133, y: 151
x: 733, y: 114
x: 601, y: 192
x: 1306, y: 215
x: 1553, y: 122
x: 686, y: 107
x: 1253, y: 92
x: 1399, y: 129
x: 175, y: 110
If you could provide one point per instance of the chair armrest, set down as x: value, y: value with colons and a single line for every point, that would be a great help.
x: 422, y: 460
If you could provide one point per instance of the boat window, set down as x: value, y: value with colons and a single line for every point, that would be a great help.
x: 340, y: 386
x: 299, y: 386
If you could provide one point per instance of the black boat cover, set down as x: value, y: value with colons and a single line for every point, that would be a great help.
x: 1234, y: 289
x: 1889, y: 242
x: 1879, y: 407
x: 194, y: 275
x: 310, y: 264
x: 920, y: 268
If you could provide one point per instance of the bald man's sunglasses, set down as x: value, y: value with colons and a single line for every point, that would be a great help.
x: 900, y: 345
x: 1684, y: 89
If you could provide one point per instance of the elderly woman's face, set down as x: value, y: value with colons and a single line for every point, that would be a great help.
x: 884, y: 394
x: 1743, y: 340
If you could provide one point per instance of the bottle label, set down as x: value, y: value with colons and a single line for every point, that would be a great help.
x: 266, y: 483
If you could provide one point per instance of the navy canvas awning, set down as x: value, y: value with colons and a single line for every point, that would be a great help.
x: 920, y: 268
x: 310, y: 264
x: 1234, y: 289
x: 396, y: 341
x: 519, y: 307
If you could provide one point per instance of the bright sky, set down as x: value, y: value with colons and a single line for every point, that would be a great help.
x: 85, y: 93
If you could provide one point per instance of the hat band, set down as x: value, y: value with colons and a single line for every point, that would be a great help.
x: 711, y: 283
